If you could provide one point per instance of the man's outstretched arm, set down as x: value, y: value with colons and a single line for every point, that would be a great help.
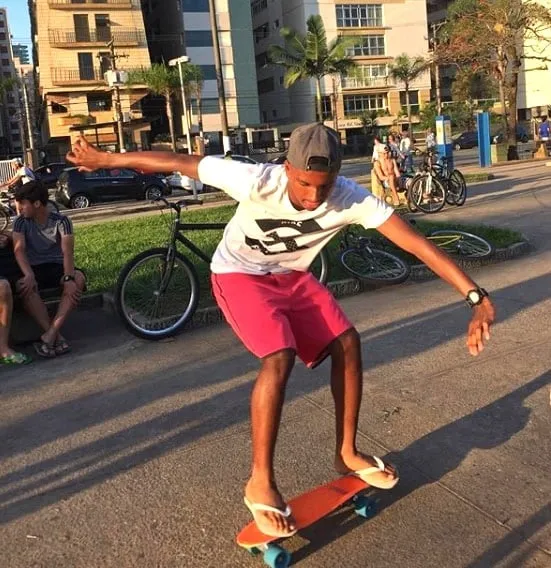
x: 89, y: 158
x: 403, y: 235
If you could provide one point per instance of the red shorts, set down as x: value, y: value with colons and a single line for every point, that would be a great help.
x: 281, y: 311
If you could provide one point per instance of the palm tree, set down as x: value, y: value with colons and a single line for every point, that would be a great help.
x: 405, y: 70
x: 310, y: 57
x: 162, y: 81
x: 193, y: 82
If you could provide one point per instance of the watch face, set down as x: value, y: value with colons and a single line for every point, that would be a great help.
x: 474, y: 297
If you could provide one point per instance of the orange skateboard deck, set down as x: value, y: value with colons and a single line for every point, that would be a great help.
x: 308, y: 508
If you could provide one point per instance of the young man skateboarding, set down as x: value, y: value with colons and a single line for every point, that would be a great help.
x: 286, y: 215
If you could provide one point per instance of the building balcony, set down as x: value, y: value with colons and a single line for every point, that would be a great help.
x: 93, y: 4
x: 65, y: 76
x: 93, y: 38
x: 367, y: 82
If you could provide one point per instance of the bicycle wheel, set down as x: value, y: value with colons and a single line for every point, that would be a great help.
x: 4, y: 218
x: 427, y: 194
x: 157, y: 293
x: 320, y: 267
x: 461, y: 244
x: 375, y: 266
x: 456, y: 189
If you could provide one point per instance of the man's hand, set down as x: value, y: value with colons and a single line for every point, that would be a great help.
x: 71, y: 289
x: 87, y: 157
x: 479, y: 326
x: 27, y: 284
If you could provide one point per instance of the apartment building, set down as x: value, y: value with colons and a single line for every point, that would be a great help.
x: 11, y: 132
x: 183, y: 27
x: 384, y: 29
x: 21, y: 51
x: 72, y: 56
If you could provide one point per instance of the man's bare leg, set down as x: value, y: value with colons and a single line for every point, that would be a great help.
x: 392, y: 182
x: 66, y: 305
x: 346, y: 387
x: 36, y: 307
x: 266, y: 405
x: 6, y: 307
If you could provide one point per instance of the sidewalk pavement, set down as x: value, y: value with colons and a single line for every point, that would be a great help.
x: 134, y: 454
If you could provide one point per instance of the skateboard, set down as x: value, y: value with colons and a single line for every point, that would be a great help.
x: 309, y: 508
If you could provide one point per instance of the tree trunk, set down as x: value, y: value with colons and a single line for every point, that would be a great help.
x: 408, y: 106
x: 200, y: 116
x: 319, y: 110
x: 170, y: 121
x: 511, y: 97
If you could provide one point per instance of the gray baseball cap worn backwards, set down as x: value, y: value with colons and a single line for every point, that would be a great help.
x: 315, y: 147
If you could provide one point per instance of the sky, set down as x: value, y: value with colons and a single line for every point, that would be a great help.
x: 18, y: 20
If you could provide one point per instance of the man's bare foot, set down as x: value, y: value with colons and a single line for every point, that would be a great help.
x: 267, y: 494
x: 348, y: 463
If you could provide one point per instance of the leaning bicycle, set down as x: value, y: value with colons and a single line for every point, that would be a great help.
x: 424, y: 190
x: 158, y: 290
x: 361, y: 258
x: 452, y: 179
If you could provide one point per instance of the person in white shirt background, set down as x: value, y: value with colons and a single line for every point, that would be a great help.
x: 406, y: 149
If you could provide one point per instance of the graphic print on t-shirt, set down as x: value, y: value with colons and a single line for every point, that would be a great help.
x: 276, y: 239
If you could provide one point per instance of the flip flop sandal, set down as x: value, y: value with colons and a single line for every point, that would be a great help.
x: 15, y: 359
x: 264, y: 526
x: 61, y: 347
x: 44, y: 350
x: 363, y: 474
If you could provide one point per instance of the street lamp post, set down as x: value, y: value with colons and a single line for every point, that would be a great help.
x: 178, y: 62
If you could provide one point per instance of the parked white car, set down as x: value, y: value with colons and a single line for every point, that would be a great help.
x: 178, y: 181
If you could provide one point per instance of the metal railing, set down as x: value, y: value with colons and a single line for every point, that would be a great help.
x: 78, y: 4
x: 69, y: 76
x: 75, y: 37
x: 366, y: 82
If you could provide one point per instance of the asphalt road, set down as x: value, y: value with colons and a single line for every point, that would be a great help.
x: 129, y: 454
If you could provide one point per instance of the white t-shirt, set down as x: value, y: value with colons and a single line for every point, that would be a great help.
x: 25, y: 174
x: 267, y: 234
x: 405, y: 145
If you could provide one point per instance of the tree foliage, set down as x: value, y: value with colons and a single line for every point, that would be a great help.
x: 309, y: 56
x: 490, y: 37
x: 405, y: 70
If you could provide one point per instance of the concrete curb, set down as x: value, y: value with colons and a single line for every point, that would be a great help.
x: 351, y: 286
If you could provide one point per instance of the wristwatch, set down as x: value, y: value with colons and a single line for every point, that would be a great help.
x: 68, y: 278
x: 475, y: 297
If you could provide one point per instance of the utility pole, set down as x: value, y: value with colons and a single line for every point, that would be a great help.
x: 117, y: 94
x: 219, y: 76
x: 28, y: 119
x: 435, y: 28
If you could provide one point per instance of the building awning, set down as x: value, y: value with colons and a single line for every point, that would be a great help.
x: 96, y: 126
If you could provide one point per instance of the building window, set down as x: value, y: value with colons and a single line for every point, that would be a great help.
x: 261, y: 59
x: 367, y: 46
x: 413, y: 101
x: 326, y: 108
x: 266, y: 85
x: 10, y: 99
x: 281, y: 79
x: 195, y: 5
x: 276, y: 24
x: 15, y: 138
x: 3, y: 49
x: 261, y: 32
x: 99, y: 101
x: 104, y: 62
x: 208, y: 72
x: 103, y: 28
x: 199, y: 38
x: 367, y: 76
x: 359, y: 15
x: 2, y: 24
x: 264, y: 116
x: 258, y: 6
x: 85, y: 67
x: 82, y: 28
x: 59, y: 109
x: 358, y: 104
x: 274, y: 113
x: 210, y: 106
x: 6, y: 62
x: 14, y: 125
x: 7, y: 75
x: 2, y: 35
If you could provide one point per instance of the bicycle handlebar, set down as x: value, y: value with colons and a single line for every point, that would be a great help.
x: 179, y: 205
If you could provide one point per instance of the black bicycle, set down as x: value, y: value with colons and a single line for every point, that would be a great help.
x: 158, y: 290
x: 453, y: 180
